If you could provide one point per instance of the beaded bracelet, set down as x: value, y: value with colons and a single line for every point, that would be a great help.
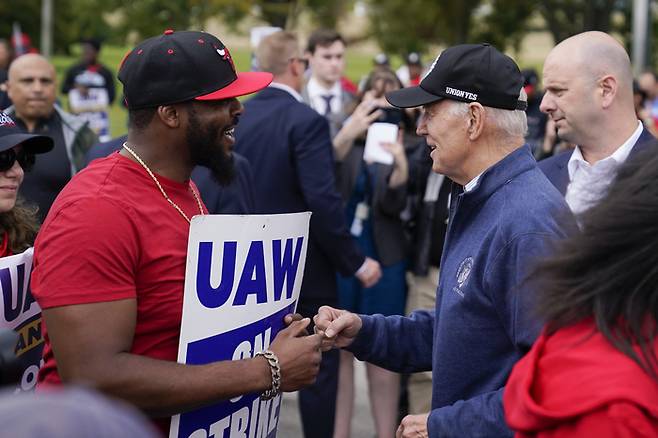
x: 275, y: 369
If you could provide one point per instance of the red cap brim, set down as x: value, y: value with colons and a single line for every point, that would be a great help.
x: 246, y: 83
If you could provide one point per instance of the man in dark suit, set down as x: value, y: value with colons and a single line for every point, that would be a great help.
x: 235, y: 198
x: 589, y: 95
x: 289, y: 148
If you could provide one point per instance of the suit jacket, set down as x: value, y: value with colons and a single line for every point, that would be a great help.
x: 289, y: 148
x: 236, y: 198
x: 556, y: 170
x: 387, y: 204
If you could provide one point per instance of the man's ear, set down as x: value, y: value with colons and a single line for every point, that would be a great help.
x: 170, y: 115
x: 608, y: 89
x: 476, y: 118
x: 8, y: 89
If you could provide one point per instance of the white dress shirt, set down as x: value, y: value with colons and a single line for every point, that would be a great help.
x: 287, y: 89
x: 472, y: 183
x: 316, y: 92
x: 588, y: 183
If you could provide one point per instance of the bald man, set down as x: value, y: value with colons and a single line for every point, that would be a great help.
x: 589, y: 95
x: 31, y: 87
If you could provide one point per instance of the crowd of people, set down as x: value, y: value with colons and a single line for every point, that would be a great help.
x: 494, y: 266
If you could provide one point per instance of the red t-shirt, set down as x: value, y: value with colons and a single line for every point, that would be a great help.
x: 111, y: 235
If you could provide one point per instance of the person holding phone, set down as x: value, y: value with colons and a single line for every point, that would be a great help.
x: 375, y: 194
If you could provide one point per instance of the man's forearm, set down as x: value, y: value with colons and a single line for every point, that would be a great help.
x: 342, y: 144
x: 163, y: 388
x: 379, y: 343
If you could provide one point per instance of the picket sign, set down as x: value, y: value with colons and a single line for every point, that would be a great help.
x: 21, y: 313
x: 243, y: 275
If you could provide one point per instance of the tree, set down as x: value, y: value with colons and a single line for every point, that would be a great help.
x: 152, y: 17
x: 565, y: 18
x: 285, y: 13
x: 73, y: 20
x: 505, y: 24
x: 402, y: 26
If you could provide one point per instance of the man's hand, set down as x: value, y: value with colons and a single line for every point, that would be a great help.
x: 339, y: 327
x: 413, y: 426
x: 357, y: 124
x: 299, y: 355
x: 361, y: 119
x: 370, y: 273
x: 289, y: 318
x: 400, y: 173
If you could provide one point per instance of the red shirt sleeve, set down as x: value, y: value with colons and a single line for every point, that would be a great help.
x: 87, y: 253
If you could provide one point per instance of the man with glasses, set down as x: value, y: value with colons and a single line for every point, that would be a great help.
x: 289, y: 149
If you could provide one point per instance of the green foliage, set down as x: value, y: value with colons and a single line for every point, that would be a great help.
x: 565, y: 18
x: 505, y: 24
x: 398, y: 26
x: 275, y: 12
x: 327, y: 13
x: 151, y: 17
x: 401, y: 26
x: 24, y: 15
x: 285, y: 13
x: 406, y: 25
x: 73, y: 20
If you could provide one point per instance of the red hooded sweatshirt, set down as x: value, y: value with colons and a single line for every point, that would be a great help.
x: 574, y: 383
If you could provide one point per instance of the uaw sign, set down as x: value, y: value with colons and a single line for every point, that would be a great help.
x: 243, y: 275
x: 21, y: 313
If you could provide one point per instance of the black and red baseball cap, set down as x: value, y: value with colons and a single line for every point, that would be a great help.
x: 181, y: 66
x: 467, y: 73
x: 11, y: 135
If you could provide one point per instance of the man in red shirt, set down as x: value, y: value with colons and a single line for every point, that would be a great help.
x: 110, y: 258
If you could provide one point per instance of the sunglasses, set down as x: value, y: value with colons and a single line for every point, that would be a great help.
x: 10, y: 156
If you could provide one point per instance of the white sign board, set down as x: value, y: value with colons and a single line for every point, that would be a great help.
x: 243, y: 275
x: 21, y: 313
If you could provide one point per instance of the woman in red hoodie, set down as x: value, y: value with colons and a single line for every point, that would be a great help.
x: 594, y: 370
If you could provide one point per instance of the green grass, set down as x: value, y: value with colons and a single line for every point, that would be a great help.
x: 358, y: 65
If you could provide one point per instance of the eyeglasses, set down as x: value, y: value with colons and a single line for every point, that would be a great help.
x: 10, y: 156
x: 301, y: 60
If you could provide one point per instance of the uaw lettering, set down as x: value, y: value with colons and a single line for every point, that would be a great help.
x: 21, y: 313
x: 243, y: 276
x: 253, y: 278
x: 461, y: 93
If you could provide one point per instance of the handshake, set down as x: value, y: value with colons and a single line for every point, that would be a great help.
x: 299, y: 353
x: 333, y: 328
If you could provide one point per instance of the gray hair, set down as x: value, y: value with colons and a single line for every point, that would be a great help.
x: 512, y: 123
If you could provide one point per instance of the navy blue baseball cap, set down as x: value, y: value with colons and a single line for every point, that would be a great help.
x: 181, y: 66
x: 11, y: 135
x: 467, y: 73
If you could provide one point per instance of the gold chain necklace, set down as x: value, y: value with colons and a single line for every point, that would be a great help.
x: 157, y: 183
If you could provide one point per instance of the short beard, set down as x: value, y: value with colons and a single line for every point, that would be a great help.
x: 206, y: 150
